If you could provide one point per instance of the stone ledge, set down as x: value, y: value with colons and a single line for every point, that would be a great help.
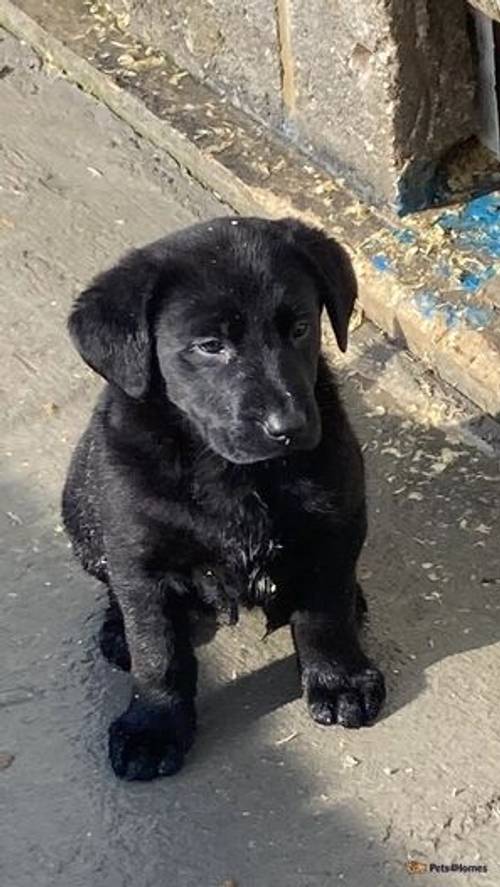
x: 419, y: 281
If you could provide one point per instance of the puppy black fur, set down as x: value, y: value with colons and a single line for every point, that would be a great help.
x: 219, y: 469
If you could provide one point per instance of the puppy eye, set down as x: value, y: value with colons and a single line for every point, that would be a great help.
x: 300, y: 330
x: 209, y: 346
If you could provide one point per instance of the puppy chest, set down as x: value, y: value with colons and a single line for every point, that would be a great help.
x: 249, y: 544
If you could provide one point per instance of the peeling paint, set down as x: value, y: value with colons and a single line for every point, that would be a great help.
x: 477, y: 225
x: 381, y: 262
x: 472, y: 281
x: 478, y: 315
x: 404, y: 235
x: 431, y: 306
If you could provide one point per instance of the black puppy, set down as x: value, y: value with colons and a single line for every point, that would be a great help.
x: 219, y: 468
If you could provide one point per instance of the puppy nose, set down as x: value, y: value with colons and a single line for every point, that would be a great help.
x: 283, y: 426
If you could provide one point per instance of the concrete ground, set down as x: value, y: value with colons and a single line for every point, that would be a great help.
x: 267, y: 797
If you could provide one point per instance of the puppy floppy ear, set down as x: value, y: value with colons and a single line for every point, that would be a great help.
x: 332, y: 268
x: 109, y: 323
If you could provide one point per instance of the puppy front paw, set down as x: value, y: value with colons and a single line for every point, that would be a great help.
x: 352, y: 698
x: 148, y: 741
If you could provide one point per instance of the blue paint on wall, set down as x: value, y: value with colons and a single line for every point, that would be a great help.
x: 381, y: 262
x: 477, y: 224
x: 431, y: 305
x: 404, y: 235
x: 451, y: 315
x: 416, y: 188
x: 478, y: 316
x: 472, y: 280
x: 427, y: 303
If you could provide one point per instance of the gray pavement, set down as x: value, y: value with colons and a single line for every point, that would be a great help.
x: 266, y: 798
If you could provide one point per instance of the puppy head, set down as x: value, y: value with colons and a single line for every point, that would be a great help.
x: 228, y: 313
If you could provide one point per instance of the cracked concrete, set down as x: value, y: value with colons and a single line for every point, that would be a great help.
x: 267, y: 798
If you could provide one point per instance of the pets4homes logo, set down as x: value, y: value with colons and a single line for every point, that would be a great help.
x: 416, y: 867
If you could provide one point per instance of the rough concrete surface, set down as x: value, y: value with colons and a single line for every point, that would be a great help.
x: 384, y: 88
x: 379, y: 90
x: 232, y: 46
x: 266, y: 797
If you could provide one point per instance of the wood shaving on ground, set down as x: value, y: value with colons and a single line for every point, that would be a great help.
x: 287, y: 738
